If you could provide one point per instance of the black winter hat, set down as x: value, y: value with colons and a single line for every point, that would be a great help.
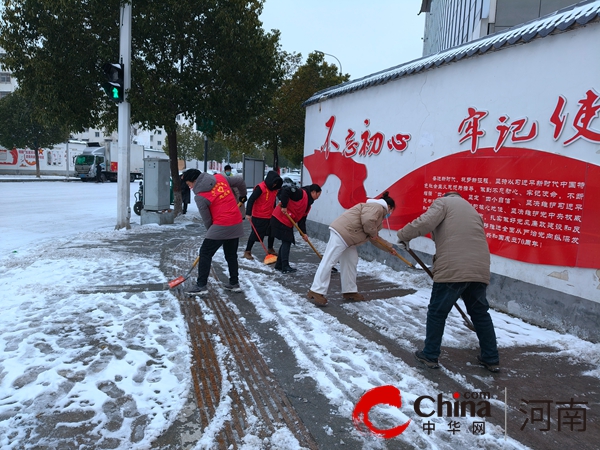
x: 191, y: 175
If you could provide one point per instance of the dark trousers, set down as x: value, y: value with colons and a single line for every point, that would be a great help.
x: 262, y: 228
x: 443, y: 298
x: 283, y: 256
x: 208, y: 249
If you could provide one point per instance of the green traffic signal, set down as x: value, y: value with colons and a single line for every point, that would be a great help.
x: 114, y: 87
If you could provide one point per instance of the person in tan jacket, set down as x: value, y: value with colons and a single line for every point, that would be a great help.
x: 461, y: 269
x: 353, y: 228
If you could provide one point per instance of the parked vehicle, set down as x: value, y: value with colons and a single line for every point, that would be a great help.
x: 291, y: 179
x: 94, y: 155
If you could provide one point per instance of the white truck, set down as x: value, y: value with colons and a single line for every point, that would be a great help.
x: 106, y: 157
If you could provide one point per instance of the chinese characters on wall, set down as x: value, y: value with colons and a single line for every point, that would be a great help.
x: 525, y: 212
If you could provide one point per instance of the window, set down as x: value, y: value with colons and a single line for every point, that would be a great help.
x: 159, y: 132
x: 4, y: 77
x: 3, y: 94
x: 158, y: 142
x: 97, y: 134
x: 151, y: 138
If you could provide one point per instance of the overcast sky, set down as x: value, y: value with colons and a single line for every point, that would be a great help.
x: 365, y: 36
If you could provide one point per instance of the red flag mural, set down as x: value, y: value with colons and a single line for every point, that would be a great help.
x: 537, y: 207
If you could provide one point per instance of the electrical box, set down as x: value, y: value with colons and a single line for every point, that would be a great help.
x: 157, y: 185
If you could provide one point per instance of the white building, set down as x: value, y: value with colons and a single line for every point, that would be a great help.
x: 454, y: 22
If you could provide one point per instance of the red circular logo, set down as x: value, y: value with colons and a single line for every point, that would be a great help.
x: 381, y: 395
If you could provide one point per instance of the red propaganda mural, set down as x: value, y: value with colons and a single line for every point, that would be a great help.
x: 537, y: 207
x: 19, y: 157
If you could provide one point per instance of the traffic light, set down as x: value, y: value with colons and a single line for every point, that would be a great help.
x: 114, y: 84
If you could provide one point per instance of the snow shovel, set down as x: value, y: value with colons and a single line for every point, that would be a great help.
x: 333, y: 269
x: 468, y: 322
x: 177, y: 281
x: 269, y: 259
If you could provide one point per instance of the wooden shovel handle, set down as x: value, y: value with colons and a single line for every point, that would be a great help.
x: 381, y: 244
x: 302, y: 234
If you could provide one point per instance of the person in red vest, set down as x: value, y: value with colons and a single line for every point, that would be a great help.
x: 295, y: 202
x: 259, y: 210
x: 218, y: 207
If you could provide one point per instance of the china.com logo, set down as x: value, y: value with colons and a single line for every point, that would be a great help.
x: 474, y: 404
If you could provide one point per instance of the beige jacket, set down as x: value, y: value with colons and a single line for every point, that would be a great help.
x: 461, y: 249
x: 360, y: 222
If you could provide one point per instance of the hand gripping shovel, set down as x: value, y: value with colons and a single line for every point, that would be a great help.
x: 468, y: 322
x: 177, y: 281
x: 383, y: 245
x: 269, y: 259
x: 333, y: 269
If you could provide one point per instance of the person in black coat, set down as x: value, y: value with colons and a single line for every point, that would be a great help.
x: 185, y: 195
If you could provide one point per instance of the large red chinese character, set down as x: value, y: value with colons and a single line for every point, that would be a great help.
x: 470, y: 127
x: 376, y: 143
x: 398, y: 142
x: 351, y: 144
x: 558, y: 119
x: 326, y: 147
x: 587, y: 112
x: 512, y: 129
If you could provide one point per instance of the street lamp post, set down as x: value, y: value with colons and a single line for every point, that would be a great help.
x: 333, y: 56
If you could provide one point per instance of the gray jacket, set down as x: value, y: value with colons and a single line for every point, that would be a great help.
x: 461, y: 249
x: 204, y: 183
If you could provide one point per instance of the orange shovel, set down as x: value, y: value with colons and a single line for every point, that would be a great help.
x: 269, y: 259
x: 177, y: 281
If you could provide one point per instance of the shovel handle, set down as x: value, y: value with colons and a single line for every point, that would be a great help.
x: 177, y: 281
x: 418, y: 260
x: 302, y: 234
x: 381, y: 244
x: 466, y: 319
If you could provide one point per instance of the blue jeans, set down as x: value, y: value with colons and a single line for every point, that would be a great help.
x: 443, y: 298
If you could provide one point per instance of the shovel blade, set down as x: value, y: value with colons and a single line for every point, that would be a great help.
x: 176, y: 282
x: 270, y: 259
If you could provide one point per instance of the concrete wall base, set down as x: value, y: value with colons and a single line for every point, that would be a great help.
x: 533, y: 304
x: 159, y: 217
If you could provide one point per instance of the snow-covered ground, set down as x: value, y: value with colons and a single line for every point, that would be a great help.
x: 65, y: 351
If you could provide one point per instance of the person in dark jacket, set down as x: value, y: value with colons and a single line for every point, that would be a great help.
x: 295, y: 203
x: 218, y: 207
x: 185, y: 195
x: 461, y: 269
x: 259, y: 210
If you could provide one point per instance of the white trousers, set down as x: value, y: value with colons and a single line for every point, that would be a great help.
x: 337, y: 250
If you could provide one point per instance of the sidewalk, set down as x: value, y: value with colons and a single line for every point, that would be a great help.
x: 27, y: 178
x: 270, y: 370
x: 531, y: 374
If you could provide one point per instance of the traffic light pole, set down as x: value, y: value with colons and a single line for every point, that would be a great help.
x: 123, y: 170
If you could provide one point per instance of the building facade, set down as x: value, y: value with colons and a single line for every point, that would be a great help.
x: 450, y: 23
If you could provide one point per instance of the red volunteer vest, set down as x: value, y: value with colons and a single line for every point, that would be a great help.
x: 263, y: 206
x: 223, y: 205
x: 296, y: 210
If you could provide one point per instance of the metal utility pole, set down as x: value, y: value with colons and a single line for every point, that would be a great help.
x: 205, y: 153
x: 67, y: 161
x: 123, y: 183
